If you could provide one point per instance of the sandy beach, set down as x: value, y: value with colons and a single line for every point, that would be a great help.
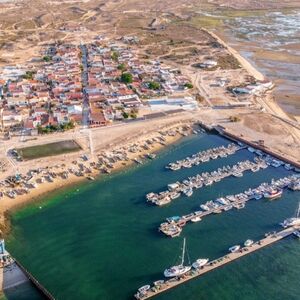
x: 168, y: 134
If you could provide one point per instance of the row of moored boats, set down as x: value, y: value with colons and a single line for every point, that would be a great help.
x: 186, y: 187
x: 173, y: 225
x: 204, y: 156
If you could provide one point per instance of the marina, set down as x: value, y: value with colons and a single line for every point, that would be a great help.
x: 107, y: 213
x: 186, y: 187
x: 204, y: 156
x: 173, y: 226
x: 165, y: 285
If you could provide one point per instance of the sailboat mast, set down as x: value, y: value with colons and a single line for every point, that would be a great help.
x: 298, y: 212
x: 183, y: 252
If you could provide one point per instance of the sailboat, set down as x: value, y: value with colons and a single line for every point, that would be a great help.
x: 178, y: 270
x: 295, y: 221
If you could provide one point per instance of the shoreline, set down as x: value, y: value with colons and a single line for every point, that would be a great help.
x: 10, y: 205
x: 46, y: 188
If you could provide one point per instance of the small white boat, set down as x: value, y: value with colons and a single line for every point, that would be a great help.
x: 200, y: 263
x: 297, y: 234
x: 196, y: 219
x: 204, y: 207
x: 158, y: 282
x: 295, y: 221
x: 234, y: 249
x: 248, y: 243
x: 144, y: 288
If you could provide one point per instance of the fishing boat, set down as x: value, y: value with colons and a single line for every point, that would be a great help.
x: 273, y: 194
x: 234, y: 249
x: 199, y: 263
x: 295, y: 221
x: 178, y: 270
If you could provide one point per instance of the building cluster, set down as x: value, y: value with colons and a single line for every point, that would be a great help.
x: 107, y: 79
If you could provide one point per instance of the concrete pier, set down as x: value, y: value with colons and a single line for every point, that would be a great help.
x: 230, y: 257
x: 14, y: 274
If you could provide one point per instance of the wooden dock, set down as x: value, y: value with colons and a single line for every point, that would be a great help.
x: 187, y: 218
x: 230, y: 257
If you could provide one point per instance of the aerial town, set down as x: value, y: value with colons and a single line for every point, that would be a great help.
x: 146, y: 144
x: 91, y: 85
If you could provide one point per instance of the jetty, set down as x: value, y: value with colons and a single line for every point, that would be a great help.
x: 163, y: 286
x: 274, y: 189
x: 204, y: 156
x: 205, y: 179
x: 13, y: 274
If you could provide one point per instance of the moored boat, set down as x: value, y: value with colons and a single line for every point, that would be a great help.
x: 290, y: 222
x: 196, y: 219
x: 178, y: 270
x: 199, y: 263
x: 273, y: 194
x: 248, y: 243
x: 234, y: 249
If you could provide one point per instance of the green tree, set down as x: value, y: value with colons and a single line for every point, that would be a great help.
x: 115, y: 56
x: 29, y: 75
x: 47, y: 58
x: 122, y: 67
x: 153, y: 85
x: 188, y: 85
x: 126, y: 78
x: 125, y: 115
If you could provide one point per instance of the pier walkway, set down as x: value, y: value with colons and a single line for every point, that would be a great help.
x: 230, y: 257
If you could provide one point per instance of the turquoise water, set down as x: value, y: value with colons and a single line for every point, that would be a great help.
x: 99, y: 240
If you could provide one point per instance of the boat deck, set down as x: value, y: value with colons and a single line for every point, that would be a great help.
x: 230, y: 257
